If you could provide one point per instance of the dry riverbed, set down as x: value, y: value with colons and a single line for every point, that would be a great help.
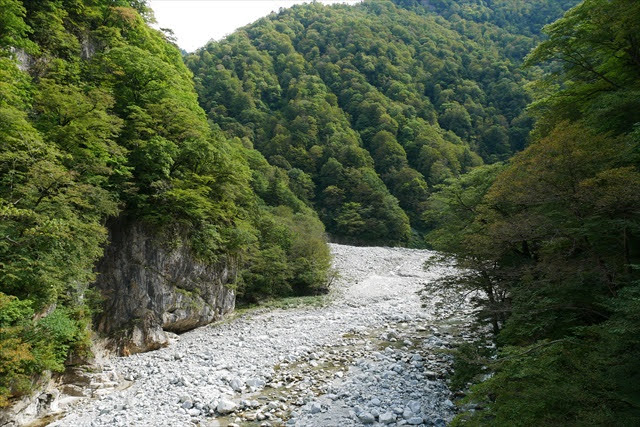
x: 373, y: 353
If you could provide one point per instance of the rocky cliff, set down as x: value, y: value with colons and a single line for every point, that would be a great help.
x: 152, y: 287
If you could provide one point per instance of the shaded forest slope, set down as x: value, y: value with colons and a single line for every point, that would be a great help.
x: 99, y: 119
x: 366, y: 108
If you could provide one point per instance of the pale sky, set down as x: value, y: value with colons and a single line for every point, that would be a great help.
x: 195, y: 22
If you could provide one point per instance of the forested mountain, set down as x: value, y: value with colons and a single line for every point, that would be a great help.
x: 519, y: 17
x: 399, y: 122
x: 98, y: 119
x: 553, y: 237
x: 366, y: 108
x: 421, y: 94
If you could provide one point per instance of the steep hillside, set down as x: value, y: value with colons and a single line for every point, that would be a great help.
x: 368, y: 107
x: 553, y: 238
x: 108, y: 146
x: 99, y: 119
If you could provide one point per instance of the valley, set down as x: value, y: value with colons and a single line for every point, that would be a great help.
x: 323, y: 168
x: 370, y: 350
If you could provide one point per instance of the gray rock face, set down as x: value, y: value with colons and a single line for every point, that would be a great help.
x: 152, y: 287
x: 30, y: 408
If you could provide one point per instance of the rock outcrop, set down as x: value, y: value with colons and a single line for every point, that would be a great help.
x: 37, y: 406
x: 153, y: 288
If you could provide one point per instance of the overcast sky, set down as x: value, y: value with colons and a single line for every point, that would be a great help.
x: 195, y: 22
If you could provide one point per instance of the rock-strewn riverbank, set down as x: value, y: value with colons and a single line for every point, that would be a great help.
x: 372, y: 354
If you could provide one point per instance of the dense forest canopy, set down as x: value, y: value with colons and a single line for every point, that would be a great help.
x: 368, y: 107
x: 553, y: 237
x: 98, y: 119
x: 385, y: 123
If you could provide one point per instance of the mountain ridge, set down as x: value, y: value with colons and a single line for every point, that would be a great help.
x: 328, y: 93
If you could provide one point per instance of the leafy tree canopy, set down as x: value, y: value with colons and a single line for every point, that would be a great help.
x: 386, y: 93
x: 99, y: 118
x: 553, y: 239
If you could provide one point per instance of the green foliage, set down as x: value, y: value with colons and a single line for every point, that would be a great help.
x: 555, y: 235
x: 269, y: 273
x: 13, y: 29
x: 28, y: 347
x: 15, y: 354
x: 596, y: 49
x: 470, y: 364
x: 99, y: 118
x: 359, y: 112
x: 452, y: 210
x: 375, y: 104
x: 60, y: 331
x: 292, y: 258
x: 551, y: 243
x: 519, y: 17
